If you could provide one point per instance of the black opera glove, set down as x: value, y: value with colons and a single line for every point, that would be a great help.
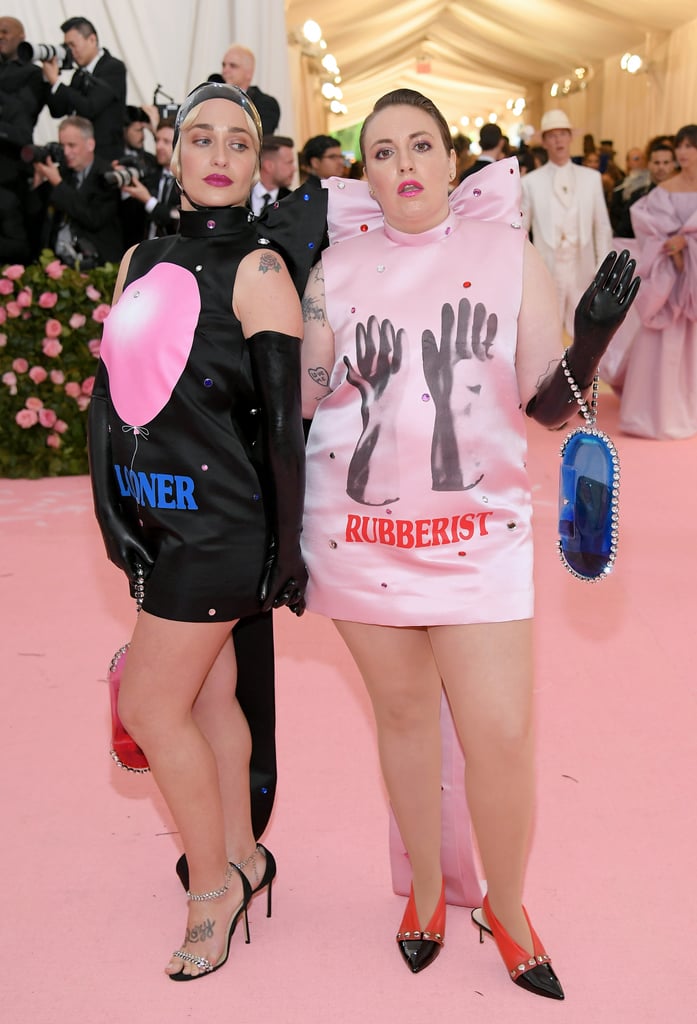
x: 600, y: 311
x: 474, y: 339
x: 275, y: 361
x: 372, y: 473
x: 124, y: 547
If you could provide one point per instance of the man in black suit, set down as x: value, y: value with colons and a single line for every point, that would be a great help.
x: 138, y: 159
x: 22, y: 95
x: 492, y: 144
x: 97, y: 90
x: 83, y: 209
x: 160, y: 197
x: 238, y: 69
x: 276, y: 173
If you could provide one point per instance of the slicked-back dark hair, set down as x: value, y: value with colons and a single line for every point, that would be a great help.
x: 410, y: 98
x: 81, y: 25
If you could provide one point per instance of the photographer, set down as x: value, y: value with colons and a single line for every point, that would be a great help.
x: 82, y: 225
x: 134, y: 156
x: 23, y: 82
x: 160, y: 199
x: 97, y: 90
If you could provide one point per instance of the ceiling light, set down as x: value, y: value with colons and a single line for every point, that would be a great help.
x: 312, y: 31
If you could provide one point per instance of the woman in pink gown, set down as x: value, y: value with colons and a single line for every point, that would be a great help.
x: 659, y: 398
x: 431, y: 328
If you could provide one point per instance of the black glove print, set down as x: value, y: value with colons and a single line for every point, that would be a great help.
x: 474, y: 339
x: 372, y: 474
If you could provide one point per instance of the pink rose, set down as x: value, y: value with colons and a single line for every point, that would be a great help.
x: 47, y: 300
x: 9, y: 379
x: 26, y: 418
x: 82, y: 402
x: 94, y: 345
x: 51, y: 347
x: 55, y: 270
x: 20, y: 365
x: 37, y: 374
x: 34, y: 403
x: 72, y: 389
x: 92, y: 293
x: 53, y: 441
x: 77, y: 320
x: 47, y: 418
x: 101, y: 313
x: 13, y: 272
x: 3, y: 340
x: 61, y: 426
x: 87, y: 385
x: 13, y: 309
x: 53, y: 328
x: 57, y: 377
x: 6, y: 286
x: 24, y: 298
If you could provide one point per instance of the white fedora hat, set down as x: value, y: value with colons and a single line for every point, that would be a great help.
x: 552, y: 119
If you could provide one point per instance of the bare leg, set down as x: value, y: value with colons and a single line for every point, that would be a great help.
x: 487, y: 673
x: 404, y: 686
x: 166, y: 667
x: 219, y: 717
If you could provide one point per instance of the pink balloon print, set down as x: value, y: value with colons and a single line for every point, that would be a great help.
x: 147, y: 340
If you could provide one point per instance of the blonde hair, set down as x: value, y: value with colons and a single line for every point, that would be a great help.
x: 190, y: 119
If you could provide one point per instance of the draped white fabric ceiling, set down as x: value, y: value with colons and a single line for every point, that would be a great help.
x: 481, y: 52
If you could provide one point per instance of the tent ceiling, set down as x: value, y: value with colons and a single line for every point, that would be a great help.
x: 480, y: 52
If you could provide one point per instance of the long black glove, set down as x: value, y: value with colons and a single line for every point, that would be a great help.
x: 123, y: 546
x: 276, y: 369
x: 601, y: 310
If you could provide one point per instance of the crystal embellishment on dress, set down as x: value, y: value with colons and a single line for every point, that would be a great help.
x: 210, y: 224
x: 198, y: 268
x: 340, y: 184
x: 208, y: 383
x: 381, y: 268
x: 476, y: 192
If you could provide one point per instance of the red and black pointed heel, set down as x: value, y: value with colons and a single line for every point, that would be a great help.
x: 421, y: 947
x: 531, y: 972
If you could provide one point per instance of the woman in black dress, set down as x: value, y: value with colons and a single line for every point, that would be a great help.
x: 197, y: 465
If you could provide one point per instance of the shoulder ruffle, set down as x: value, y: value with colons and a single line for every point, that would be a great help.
x: 491, y: 194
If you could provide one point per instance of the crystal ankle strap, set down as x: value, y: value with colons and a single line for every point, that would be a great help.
x: 197, y: 897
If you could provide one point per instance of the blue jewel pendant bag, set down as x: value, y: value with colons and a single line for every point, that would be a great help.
x: 589, y: 483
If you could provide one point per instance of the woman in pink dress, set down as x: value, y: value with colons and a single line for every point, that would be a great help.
x: 659, y: 398
x: 431, y: 327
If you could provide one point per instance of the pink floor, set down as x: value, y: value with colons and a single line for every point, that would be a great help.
x: 92, y: 908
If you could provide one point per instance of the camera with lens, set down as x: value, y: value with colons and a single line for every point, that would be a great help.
x: 78, y: 252
x: 39, y: 154
x: 28, y: 52
x: 128, y: 173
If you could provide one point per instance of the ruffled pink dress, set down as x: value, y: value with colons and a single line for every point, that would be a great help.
x: 659, y: 398
x: 418, y: 508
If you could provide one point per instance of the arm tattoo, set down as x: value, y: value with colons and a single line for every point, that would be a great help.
x: 319, y: 375
x: 201, y: 932
x: 317, y: 273
x: 267, y: 261
x: 313, y: 310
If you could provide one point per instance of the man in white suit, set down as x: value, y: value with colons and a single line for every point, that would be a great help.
x: 564, y: 209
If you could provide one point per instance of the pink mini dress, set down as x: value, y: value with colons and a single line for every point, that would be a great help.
x: 418, y: 506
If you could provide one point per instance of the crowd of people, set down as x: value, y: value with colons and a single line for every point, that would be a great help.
x: 412, y: 530
x: 100, y: 188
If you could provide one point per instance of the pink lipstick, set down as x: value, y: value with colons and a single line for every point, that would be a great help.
x: 410, y: 188
x: 218, y: 180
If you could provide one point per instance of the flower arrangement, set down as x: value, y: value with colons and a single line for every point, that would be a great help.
x: 51, y: 320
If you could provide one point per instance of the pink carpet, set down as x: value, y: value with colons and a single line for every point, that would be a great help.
x: 92, y: 907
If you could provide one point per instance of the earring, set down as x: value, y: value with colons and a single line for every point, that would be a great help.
x: 371, y: 193
x: 452, y: 175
